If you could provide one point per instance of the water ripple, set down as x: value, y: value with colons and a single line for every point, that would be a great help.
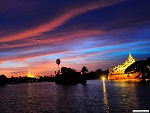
x: 94, y: 97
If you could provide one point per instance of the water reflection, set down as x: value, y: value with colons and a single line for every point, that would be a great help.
x: 29, y: 100
x: 29, y: 91
x: 124, y: 96
x: 48, y: 97
x: 127, y: 94
x: 105, y: 100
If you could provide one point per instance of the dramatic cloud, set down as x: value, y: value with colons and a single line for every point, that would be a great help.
x: 94, y: 33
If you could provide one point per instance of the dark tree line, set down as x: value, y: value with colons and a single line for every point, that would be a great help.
x: 69, y: 75
x: 13, y: 80
x: 97, y: 74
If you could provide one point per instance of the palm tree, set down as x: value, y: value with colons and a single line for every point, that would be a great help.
x: 58, y: 62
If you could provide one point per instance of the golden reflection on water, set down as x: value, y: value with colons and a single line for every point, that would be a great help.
x: 129, y: 93
x: 29, y: 97
x: 29, y: 91
x: 105, y: 100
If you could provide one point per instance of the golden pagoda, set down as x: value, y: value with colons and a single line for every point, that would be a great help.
x: 30, y: 75
x: 120, y: 69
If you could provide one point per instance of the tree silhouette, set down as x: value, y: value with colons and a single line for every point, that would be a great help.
x: 84, y: 70
x: 140, y: 66
x: 65, y: 70
x: 3, y: 80
x: 69, y: 76
x: 99, y: 71
x: 58, y: 62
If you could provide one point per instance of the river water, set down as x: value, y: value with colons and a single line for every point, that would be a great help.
x: 94, y: 97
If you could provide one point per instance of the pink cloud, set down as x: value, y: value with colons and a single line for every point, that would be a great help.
x: 59, y: 20
x: 61, y: 40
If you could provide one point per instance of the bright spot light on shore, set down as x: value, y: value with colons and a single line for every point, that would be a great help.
x: 103, y: 78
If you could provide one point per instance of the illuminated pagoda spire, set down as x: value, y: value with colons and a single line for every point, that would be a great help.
x: 130, y: 58
x: 120, y: 69
x: 29, y: 74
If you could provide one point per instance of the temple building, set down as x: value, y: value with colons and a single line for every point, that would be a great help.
x: 120, y: 69
x: 30, y: 75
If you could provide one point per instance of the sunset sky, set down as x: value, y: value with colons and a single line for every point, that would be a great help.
x: 92, y: 33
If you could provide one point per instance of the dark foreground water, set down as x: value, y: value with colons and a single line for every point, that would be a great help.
x: 94, y: 97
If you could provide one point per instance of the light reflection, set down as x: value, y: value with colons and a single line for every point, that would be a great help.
x: 29, y: 91
x: 29, y: 99
x: 129, y: 96
x: 105, y: 100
